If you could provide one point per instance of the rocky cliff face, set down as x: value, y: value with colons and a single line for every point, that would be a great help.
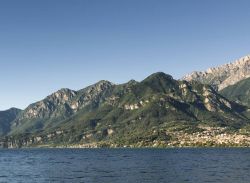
x: 223, y: 76
x: 65, y: 101
x: 58, y: 106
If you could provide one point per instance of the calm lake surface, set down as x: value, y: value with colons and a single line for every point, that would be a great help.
x: 125, y: 165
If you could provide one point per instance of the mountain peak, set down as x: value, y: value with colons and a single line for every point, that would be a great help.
x: 64, y: 90
x: 223, y: 76
x: 63, y: 93
x: 132, y: 82
x: 12, y: 109
x: 6, y: 117
x: 243, y: 60
x: 104, y: 82
x: 99, y: 86
x: 159, y: 75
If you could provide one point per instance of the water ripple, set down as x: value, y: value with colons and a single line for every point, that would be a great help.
x: 125, y: 165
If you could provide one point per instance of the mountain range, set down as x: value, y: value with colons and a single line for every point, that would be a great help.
x: 209, y: 108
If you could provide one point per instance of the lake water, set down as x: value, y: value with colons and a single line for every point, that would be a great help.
x: 125, y: 165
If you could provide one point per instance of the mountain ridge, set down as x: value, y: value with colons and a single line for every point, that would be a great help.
x: 6, y: 117
x: 134, y: 113
x: 225, y: 75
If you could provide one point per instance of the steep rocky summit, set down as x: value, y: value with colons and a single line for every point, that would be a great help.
x: 223, y: 76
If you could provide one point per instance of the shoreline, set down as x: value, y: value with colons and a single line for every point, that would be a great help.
x: 143, y: 147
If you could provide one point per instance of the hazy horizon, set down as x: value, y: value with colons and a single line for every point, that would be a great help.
x: 48, y: 45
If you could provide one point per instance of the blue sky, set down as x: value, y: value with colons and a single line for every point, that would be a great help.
x: 47, y: 45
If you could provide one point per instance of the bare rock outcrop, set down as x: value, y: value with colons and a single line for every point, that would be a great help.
x: 223, y: 76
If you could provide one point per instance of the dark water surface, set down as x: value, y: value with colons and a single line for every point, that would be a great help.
x: 125, y: 165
